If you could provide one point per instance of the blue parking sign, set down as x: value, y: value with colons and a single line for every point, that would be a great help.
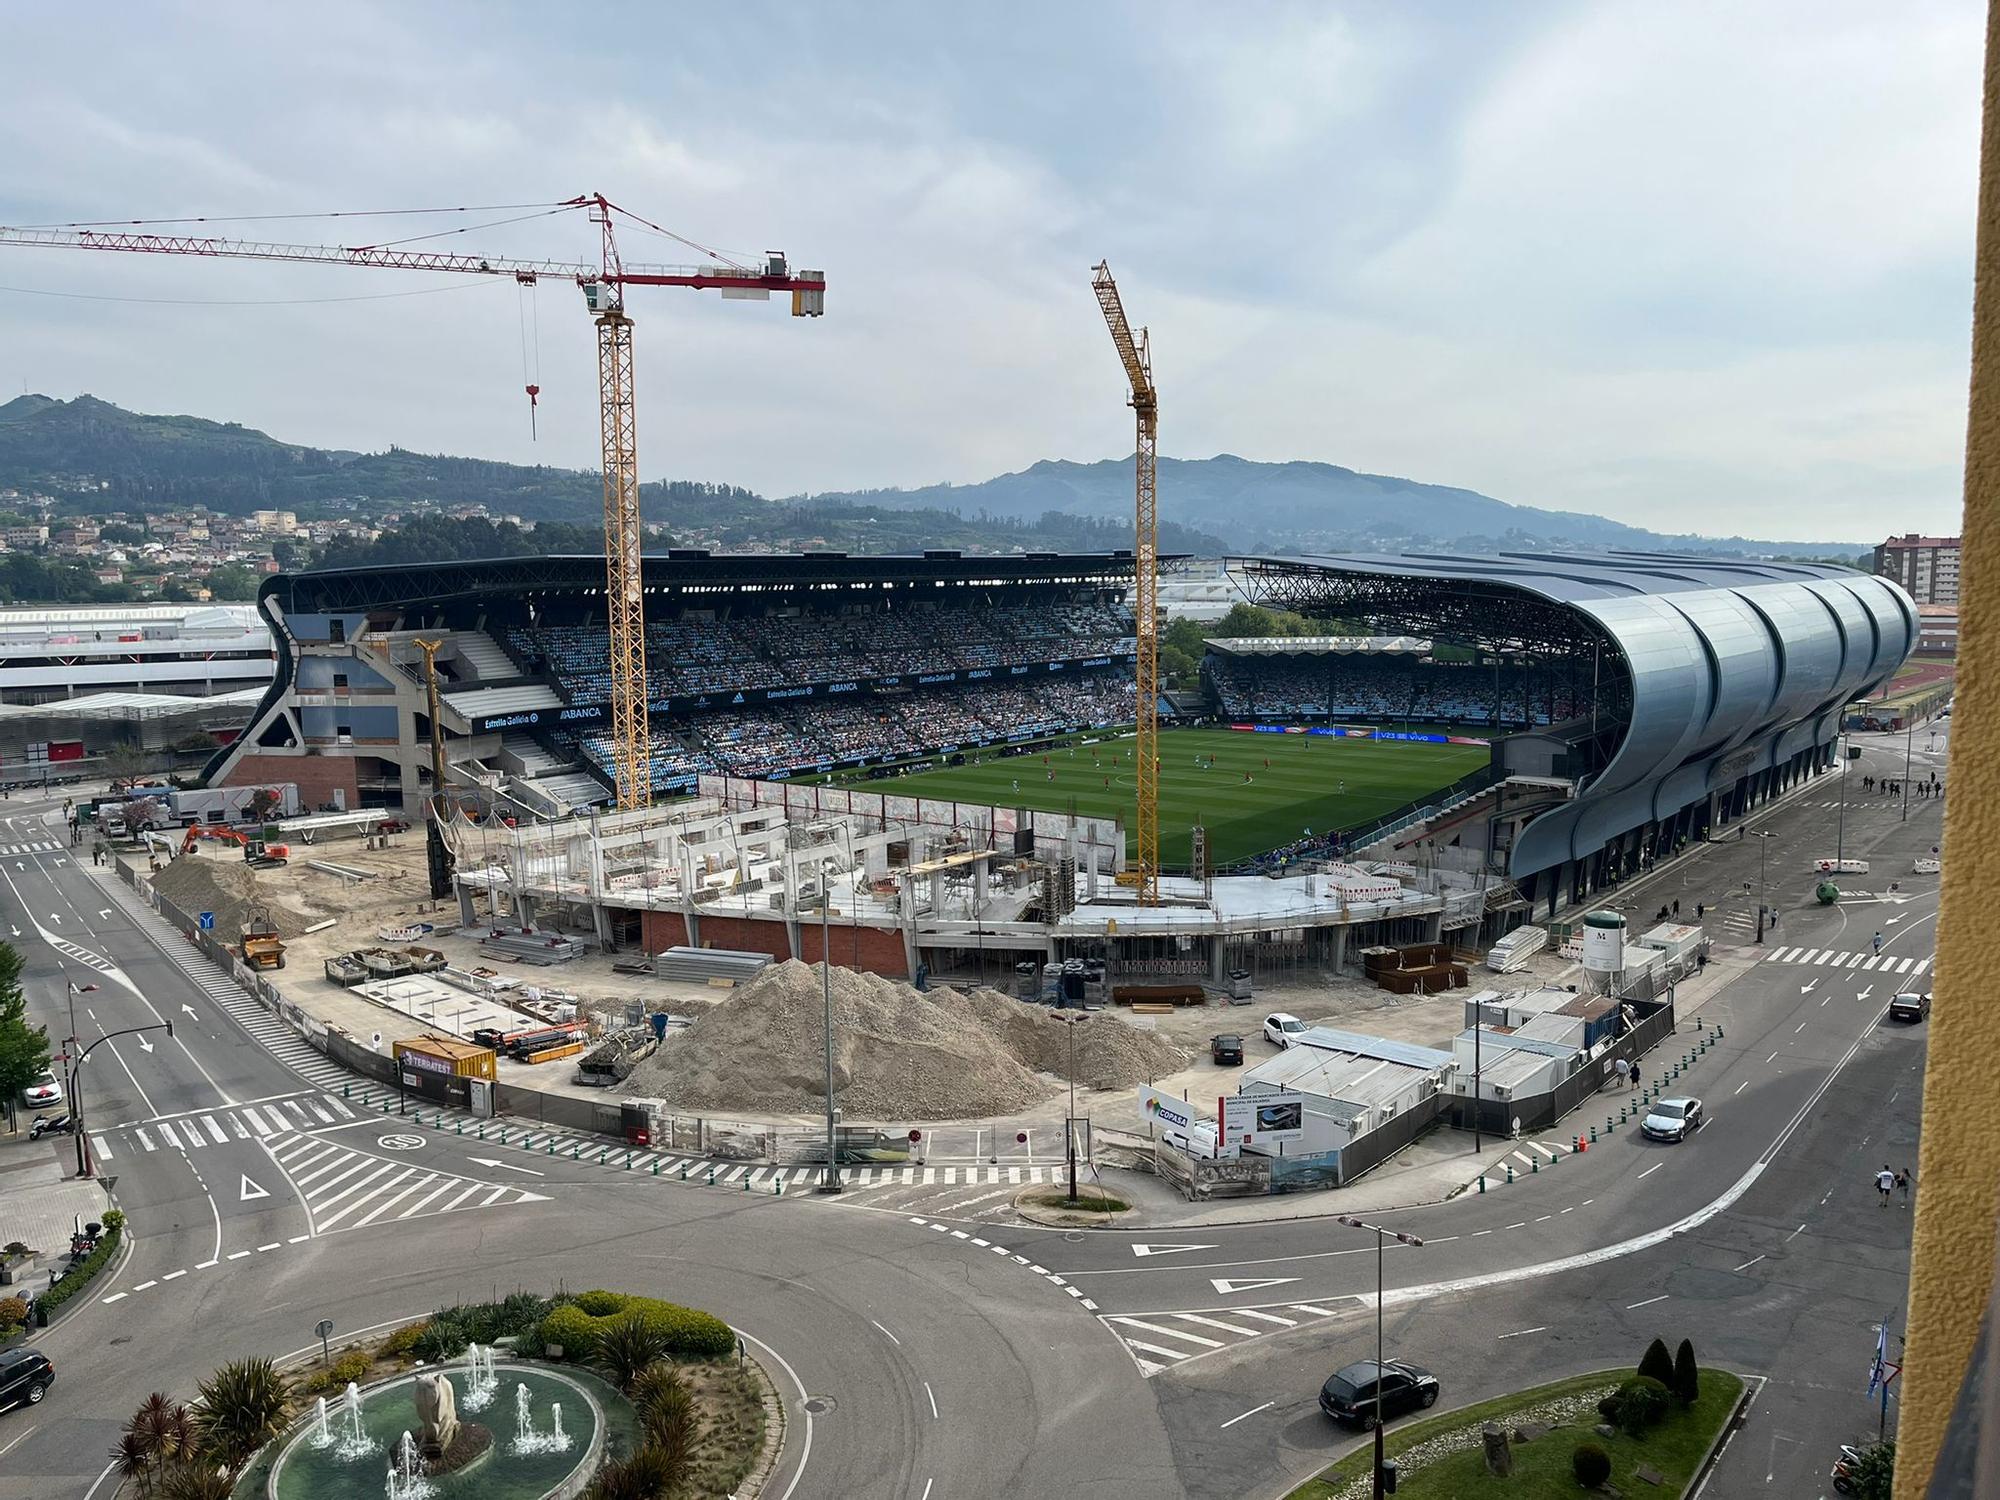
x: 206, y: 921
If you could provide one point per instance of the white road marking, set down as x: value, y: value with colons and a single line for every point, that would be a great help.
x: 1648, y: 1302
x: 1250, y: 1413
x: 1169, y: 1333
x: 931, y: 1396
x: 1524, y: 1332
x: 886, y: 1334
x: 1748, y: 1263
x: 1652, y: 1169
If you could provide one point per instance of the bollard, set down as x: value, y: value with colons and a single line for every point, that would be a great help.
x: 1482, y: 1182
x: 1607, y: 1124
x: 628, y: 1162
x: 1699, y: 1023
x: 461, y: 1128
x: 1718, y: 1031
x: 602, y: 1154
x: 552, y: 1145
x: 482, y: 1132
x: 1534, y: 1164
x: 575, y: 1150
x: 347, y: 1091
x: 1593, y: 1135
x: 711, y: 1177
x: 746, y: 1182
x: 656, y: 1166
x: 1510, y: 1171
x: 778, y: 1186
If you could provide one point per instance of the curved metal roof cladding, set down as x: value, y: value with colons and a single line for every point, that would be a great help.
x: 1735, y: 664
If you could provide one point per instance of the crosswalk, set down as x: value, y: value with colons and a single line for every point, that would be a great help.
x: 1158, y: 1341
x: 42, y: 846
x: 1864, y: 961
x: 197, y: 1129
x: 348, y: 1189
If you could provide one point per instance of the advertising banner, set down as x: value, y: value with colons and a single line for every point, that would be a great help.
x: 1262, y: 1121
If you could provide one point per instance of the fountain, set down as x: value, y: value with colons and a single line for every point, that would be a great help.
x: 406, y: 1473
x: 354, y: 1441
x: 322, y: 1433
x: 426, y: 1451
x: 481, y: 1384
x: 526, y: 1438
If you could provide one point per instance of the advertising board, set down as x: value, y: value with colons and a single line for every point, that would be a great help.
x: 1260, y: 1121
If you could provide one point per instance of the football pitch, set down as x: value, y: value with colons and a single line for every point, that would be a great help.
x: 1295, y: 782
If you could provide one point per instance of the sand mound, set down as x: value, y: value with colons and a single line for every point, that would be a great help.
x: 232, y: 890
x: 899, y: 1054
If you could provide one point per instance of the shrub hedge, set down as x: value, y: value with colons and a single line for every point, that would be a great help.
x: 80, y: 1275
x: 687, y: 1333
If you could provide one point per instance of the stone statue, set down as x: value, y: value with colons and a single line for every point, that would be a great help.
x: 1499, y: 1457
x: 437, y: 1408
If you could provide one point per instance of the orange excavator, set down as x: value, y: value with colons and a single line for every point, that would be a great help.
x: 258, y: 853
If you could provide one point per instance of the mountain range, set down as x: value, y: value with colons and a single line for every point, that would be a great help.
x: 97, y: 457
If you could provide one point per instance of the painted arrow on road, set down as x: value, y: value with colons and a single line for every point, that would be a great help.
x: 1866, y: 993
x: 144, y: 1045
x: 1167, y: 1249
x: 1807, y: 989
x: 1890, y: 921
x: 489, y: 1161
x: 1229, y: 1288
x: 53, y: 917
x: 103, y: 913
x: 190, y: 1010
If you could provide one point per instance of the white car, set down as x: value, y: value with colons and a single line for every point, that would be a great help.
x: 1280, y: 1028
x: 1672, y: 1119
x: 43, y: 1092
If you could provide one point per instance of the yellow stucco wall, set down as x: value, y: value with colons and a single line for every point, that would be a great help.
x: 1952, y: 1267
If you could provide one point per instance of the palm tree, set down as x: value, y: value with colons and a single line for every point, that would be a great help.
x: 196, y: 1481
x: 643, y: 1476
x: 244, y: 1404
x: 627, y: 1345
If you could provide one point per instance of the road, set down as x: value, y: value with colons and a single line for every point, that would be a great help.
x: 955, y: 1357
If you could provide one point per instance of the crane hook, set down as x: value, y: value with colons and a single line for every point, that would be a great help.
x: 533, y: 391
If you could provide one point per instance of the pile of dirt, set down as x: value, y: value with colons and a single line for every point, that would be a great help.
x: 899, y: 1053
x: 233, y: 891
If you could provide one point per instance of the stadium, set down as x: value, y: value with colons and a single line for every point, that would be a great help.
x: 932, y: 751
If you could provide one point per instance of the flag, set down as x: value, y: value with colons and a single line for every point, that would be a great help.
x: 1878, y: 1373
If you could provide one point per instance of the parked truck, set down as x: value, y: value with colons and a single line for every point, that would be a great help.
x: 235, y: 804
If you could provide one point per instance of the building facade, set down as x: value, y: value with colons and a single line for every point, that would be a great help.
x: 1925, y: 566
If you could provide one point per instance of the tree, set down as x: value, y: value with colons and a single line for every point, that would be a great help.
x: 1658, y: 1364
x: 243, y: 1405
x: 123, y: 762
x: 290, y: 553
x: 627, y: 1346
x: 24, y: 1049
x: 1875, y: 1475
x: 1686, y: 1384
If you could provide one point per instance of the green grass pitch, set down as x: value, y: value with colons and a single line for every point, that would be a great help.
x: 1297, y: 782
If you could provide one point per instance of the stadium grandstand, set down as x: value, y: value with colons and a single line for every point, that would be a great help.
x: 181, y: 650
x: 1640, y: 700
x: 757, y: 666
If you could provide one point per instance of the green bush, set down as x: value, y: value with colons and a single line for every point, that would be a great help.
x: 353, y: 1365
x: 600, y: 1303
x: 1687, y: 1379
x: 574, y: 1329
x: 1642, y: 1403
x: 626, y: 1345
x: 1658, y: 1364
x: 13, y: 1311
x: 80, y: 1275
x: 400, y: 1343
x: 1591, y: 1465
x: 114, y: 1219
x: 441, y: 1340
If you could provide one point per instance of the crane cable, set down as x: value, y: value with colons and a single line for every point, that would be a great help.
x: 529, y: 307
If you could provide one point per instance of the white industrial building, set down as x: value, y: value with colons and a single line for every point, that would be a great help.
x: 181, y: 650
x: 1365, y: 1097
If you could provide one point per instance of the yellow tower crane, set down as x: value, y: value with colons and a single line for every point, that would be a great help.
x: 1145, y: 404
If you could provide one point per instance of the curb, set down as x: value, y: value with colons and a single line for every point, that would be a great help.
x: 1752, y: 1386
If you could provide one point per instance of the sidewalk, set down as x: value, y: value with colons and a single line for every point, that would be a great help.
x: 39, y: 1202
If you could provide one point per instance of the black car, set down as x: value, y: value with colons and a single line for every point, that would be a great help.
x: 25, y: 1375
x: 1910, y: 1006
x: 1349, y: 1394
x: 1227, y: 1050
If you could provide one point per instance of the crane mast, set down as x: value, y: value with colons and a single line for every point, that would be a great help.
x: 603, y: 287
x: 1137, y: 358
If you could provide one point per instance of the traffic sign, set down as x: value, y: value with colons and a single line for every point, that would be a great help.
x: 206, y: 921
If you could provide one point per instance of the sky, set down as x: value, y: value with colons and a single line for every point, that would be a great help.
x: 1693, y: 266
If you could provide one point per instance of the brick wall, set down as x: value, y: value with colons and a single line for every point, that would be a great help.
x: 880, y: 950
x: 745, y: 935
x: 317, y: 776
x: 661, y: 930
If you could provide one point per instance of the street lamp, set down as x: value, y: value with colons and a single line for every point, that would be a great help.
x: 1840, y: 827
x: 1381, y: 1234
x: 1909, y: 735
x: 71, y: 1062
x: 1764, y: 836
x: 830, y: 1180
x: 1069, y: 1126
x: 83, y: 1166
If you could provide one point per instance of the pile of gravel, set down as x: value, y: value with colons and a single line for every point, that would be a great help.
x: 232, y: 890
x: 900, y: 1054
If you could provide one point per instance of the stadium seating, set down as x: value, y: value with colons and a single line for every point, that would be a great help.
x: 1378, y: 689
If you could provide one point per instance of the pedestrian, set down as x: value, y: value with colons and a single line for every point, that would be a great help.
x: 1700, y: 910
x: 1878, y: 943
x: 1903, y: 1185
x: 1619, y: 1066
x: 1885, y: 1183
x: 1635, y: 1072
x: 1677, y: 907
x: 1700, y: 962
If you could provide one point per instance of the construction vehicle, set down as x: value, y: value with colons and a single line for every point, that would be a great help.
x: 603, y: 285
x: 260, y: 946
x: 259, y: 853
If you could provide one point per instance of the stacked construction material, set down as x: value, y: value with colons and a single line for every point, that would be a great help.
x: 529, y: 946
x: 706, y: 965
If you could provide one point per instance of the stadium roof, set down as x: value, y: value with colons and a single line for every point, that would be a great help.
x: 336, y: 590
x: 1318, y: 645
x: 1735, y: 664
